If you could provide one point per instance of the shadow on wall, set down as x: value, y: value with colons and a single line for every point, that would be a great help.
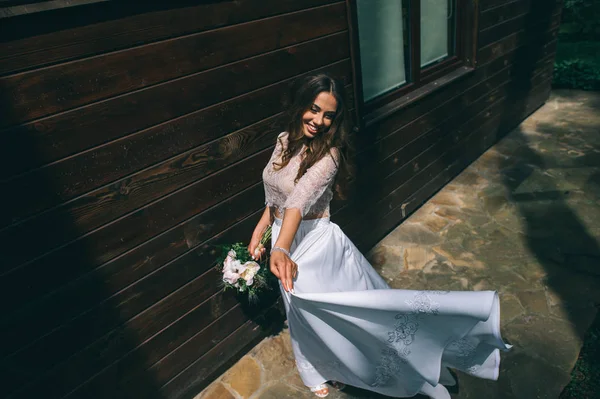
x: 69, y: 328
x: 53, y: 342
x: 64, y: 330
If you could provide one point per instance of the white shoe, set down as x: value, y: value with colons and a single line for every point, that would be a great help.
x: 320, y: 390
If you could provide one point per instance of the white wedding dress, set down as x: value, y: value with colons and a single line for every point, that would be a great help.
x: 347, y: 325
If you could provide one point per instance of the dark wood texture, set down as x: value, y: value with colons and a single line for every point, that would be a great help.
x: 134, y: 142
x: 517, y: 24
x: 110, y: 343
x: 127, y: 168
x: 39, y: 40
x: 181, y: 96
x: 486, y: 5
x: 514, y: 9
x: 111, y: 240
x: 53, y: 310
x: 93, y: 79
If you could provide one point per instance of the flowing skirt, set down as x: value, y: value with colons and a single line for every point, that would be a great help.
x: 347, y: 325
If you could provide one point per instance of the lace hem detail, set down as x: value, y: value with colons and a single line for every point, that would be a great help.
x: 395, y: 354
x: 466, y: 351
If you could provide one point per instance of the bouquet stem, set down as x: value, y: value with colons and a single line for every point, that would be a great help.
x: 266, y: 235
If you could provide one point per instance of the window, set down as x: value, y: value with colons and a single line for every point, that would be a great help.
x: 402, y: 45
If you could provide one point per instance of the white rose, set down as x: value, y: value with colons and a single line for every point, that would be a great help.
x: 230, y: 276
x: 228, y: 263
x: 232, y: 270
x: 251, y: 268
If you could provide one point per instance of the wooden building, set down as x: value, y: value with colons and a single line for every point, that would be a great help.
x: 133, y: 136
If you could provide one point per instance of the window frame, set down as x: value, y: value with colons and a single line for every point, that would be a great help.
x: 422, y: 80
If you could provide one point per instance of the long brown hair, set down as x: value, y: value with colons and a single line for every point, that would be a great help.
x: 303, y: 94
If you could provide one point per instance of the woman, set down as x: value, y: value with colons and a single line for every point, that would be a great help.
x: 346, y: 325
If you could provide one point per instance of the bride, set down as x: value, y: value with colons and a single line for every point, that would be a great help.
x: 346, y: 325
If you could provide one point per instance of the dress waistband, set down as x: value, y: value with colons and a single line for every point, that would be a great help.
x: 305, y: 222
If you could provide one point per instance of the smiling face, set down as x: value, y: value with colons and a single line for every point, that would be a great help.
x: 319, y: 117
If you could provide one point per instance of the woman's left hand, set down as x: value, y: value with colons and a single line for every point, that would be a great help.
x: 255, y: 248
x: 284, y: 269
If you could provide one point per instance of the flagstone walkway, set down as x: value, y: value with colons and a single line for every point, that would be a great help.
x: 524, y: 219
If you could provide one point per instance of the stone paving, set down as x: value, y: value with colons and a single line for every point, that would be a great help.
x: 524, y: 219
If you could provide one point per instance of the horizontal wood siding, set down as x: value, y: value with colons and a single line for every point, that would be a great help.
x: 133, y: 141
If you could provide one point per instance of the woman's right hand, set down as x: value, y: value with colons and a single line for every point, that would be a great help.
x: 285, y: 269
x: 255, y: 248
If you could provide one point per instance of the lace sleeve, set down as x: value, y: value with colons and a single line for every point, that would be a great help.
x: 313, y: 184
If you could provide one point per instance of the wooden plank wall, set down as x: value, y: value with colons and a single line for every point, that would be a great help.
x: 132, y: 141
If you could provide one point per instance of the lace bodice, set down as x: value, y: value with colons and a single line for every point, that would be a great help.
x: 313, y: 191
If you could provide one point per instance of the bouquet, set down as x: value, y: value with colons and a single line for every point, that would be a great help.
x: 243, y: 273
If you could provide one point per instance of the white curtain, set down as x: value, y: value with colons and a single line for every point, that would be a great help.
x: 381, y: 46
x: 434, y: 30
